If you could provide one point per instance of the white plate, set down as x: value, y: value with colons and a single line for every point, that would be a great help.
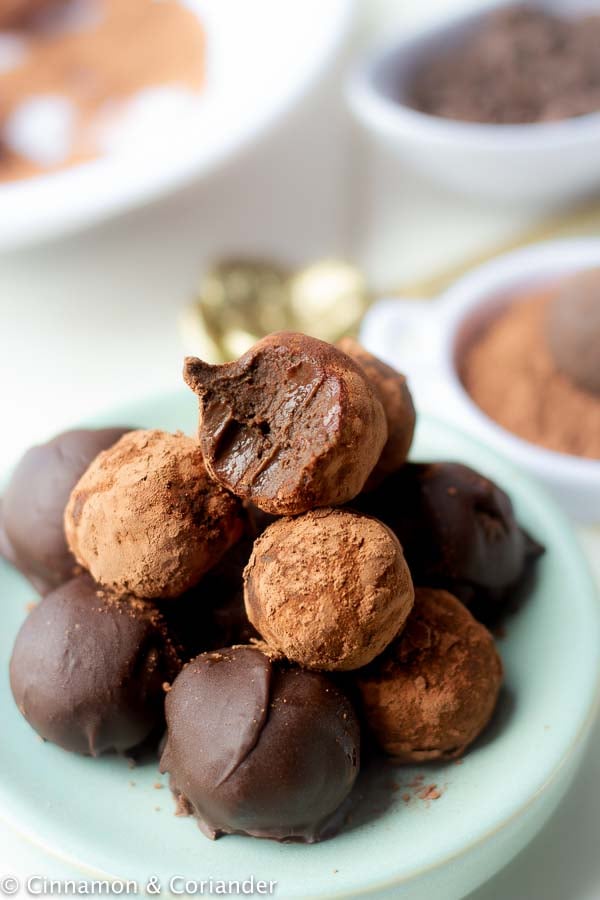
x: 262, y: 57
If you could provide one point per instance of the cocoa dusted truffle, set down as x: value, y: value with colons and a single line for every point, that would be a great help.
x: 256, y: 747
x: 293, y: 424
x: 435, y: 688
x: 573, y: 329
x: 32, y: 535
x: 329, y: 589
x: 458, y: 532
x: 87, y: 669
x: 392, y: 390
x: 146, y: 518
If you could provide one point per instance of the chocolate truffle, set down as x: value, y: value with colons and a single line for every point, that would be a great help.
x: 292, y: 424
x: 329, y: 589
x: 396, y: 399
x: 434, y: 689
x: 145, y: 517
x: 213, y: 614
x: 255, y: 747
x: 573, y: 329
x: 87, y: 669
x: 32, y: 535
x: 458, y: 532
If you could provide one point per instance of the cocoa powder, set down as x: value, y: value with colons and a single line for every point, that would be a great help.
x: 510, y: 373
x: 126, y: 47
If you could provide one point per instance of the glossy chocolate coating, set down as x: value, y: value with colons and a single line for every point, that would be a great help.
x: 213, y: 614
x: 34, y: 502
x: 458, y: 532
x: 87, y: 669
x: 255, y: 747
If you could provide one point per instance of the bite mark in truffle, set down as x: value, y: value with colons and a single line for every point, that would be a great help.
x: 293, y: 424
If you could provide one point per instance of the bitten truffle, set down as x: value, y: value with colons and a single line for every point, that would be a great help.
x: 293, y: 424
x: 573, y: 329
x: 435, y: 688
x: 458, y: 532
x: 396, y: 399
x: 329, y: 589
x: 255, y: 747
x: 87, y: 669
x: 146, y: 518
x: 32, y: 535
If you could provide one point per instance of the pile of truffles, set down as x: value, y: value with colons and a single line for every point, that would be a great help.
x: 253, y: 590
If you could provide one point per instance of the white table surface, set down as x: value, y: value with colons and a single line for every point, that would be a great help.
x: 91, y: 321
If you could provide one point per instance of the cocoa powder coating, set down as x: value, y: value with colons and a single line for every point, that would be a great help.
x: 329, y: 589
x: 435, y: 688
x: 146, y: 518
x: 397, y: 402
x: 292, y: 425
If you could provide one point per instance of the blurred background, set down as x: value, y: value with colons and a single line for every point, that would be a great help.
x: 95, y: 271
x: 241, y: 168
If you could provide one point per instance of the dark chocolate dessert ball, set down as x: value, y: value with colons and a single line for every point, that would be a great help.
x: 33, y: 505
x: 291, y: 425
x: 256, y: 747
x: 88, y: 669
x: 458, y: 532
x: 213, y: 614
x: 573, y: 329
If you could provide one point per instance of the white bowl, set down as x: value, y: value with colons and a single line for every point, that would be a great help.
x: 546, y: 163
x: 423, y: 340
x: 262, y: 58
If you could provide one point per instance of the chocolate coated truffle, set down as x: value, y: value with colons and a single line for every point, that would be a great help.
x: 87, y: 669
x: 434, y: 689
x: 32, y: 535
x: 573, y: 329
x: 458, y: 532
x: 396, y: 399
x: 292, y: 424
x: 213, y: 614
x: 329, y: 589
x: 255, y: 747
x: 146, y: 518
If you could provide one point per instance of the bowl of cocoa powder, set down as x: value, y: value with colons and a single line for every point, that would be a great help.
x: 512, y: 353
x: 106, y: 105
x: 500, y: 104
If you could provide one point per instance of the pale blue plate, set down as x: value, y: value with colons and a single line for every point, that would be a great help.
x: 88, y: 813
